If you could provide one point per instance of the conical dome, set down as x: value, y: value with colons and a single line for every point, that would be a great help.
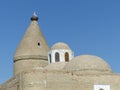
x: 33, y: 44
x: 32, y: 50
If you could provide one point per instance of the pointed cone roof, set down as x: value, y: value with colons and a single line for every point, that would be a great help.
x: 33, y: 44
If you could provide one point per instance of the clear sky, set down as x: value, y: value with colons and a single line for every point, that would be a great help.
x: 88, y: 26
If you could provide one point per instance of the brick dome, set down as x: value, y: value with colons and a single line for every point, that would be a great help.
x: 60, y: 45
x: 88, y: 63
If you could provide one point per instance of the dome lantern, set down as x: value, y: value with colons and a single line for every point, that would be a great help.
x: 60, y: 52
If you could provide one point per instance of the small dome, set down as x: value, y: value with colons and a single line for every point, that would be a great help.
x: 60, y: 45
x: 88, y: 63
x: 56, y: 66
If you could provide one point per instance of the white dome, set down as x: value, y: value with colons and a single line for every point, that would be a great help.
x: 88, y: 63
x: 60, y: 45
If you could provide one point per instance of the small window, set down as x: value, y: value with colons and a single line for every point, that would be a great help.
x: 57, y: 57
x: 50, y: 58
x: 66, y: 57
x: 101, y: 89
x: 38, y: 43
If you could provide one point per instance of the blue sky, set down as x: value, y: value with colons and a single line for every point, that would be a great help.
x: 88, y: 26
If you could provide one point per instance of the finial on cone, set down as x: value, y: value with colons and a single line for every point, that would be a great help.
x: 34, y: 17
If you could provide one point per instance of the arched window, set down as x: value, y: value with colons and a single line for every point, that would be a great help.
x: 101, y: 89
x: 50, y: 58
x: 66, y: 57
x: 57, y: 57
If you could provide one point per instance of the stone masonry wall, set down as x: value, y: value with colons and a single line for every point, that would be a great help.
x: 52, y: 80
